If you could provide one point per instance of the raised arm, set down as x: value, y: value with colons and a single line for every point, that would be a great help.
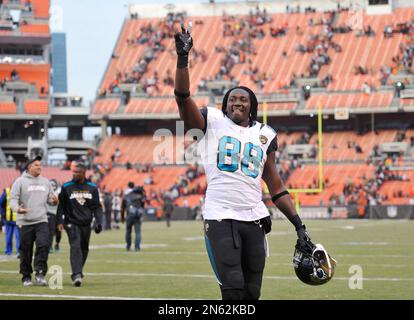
x: 189, y: 112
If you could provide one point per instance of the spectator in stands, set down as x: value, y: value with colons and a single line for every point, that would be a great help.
x: 388, y: 31
x: 28, y: 5
x: 149, y: 180
x: 14, y: 75
x: 366, y: 89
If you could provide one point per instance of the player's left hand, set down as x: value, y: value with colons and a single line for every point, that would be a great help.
x: 304, y: 240
x: 98, y: 228
x: 183, y: 41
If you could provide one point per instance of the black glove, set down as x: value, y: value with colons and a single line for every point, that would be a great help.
x: 183, y: 42
x: 183, y: 45
x: 304, y: 242
x: 98, y: 228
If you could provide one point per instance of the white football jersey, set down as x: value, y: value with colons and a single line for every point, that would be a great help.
x: 233, y: 157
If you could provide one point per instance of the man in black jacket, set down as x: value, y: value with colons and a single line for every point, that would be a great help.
x: 79, y: 203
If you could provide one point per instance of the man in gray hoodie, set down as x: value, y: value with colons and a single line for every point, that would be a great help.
x: 29, y: 196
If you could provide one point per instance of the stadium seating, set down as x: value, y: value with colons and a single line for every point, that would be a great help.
x: 163, y: 177
x: 36, y: 106
x: 351, y: 100
x: 137, y: 149
x: 369, y: 52
x: 7, y: 107
x: 106, y: 106
x: 152, y: 105
x: 335, y: 144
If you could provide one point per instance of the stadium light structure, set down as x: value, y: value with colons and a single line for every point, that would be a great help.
x: 306, y: 91
x: 399, y: 86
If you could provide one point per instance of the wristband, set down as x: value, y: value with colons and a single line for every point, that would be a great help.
x: 296, y: 221
x: 277, y: 196
x: 182, y: 95
x: 182, y: 62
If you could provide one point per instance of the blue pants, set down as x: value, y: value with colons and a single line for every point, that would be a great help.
x: 136, y: 223
x: 11, y: 228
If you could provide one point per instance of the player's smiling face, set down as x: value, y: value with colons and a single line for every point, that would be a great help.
x: 238, y: 107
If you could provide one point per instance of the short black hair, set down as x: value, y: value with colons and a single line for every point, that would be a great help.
x: 36, y: 158
x: 253, y: 102
x: 131, y: 184
x: 80, y: 165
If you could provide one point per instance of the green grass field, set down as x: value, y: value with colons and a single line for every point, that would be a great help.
x: 173, y: 264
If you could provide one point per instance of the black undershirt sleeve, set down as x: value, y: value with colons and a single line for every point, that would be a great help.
x: 272, y: 146
x: 204, y: 114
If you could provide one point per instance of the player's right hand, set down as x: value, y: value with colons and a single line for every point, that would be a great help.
x: 183, y: 41
x: 304, y: 241
x: 22, y: 210
x: 60, y: 227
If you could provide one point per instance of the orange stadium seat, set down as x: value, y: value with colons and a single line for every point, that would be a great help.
x: 106, y: 106
x: 41, y: 8
x: 7, y: 107
x: 35, y: 28
x: 36, y: 106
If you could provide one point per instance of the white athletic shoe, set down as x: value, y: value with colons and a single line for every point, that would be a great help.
x: 40, y: 280
x: 27, y: 283
x: 77, y: 282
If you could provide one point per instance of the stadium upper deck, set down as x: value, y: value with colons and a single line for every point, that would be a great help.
x: 273, y: 52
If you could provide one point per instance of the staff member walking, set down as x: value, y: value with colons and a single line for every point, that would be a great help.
x: 30, y: 194
x: 79, y: 203
x: 51, y: 217
x: 9, y: 217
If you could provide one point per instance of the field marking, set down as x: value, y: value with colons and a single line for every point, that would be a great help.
x: 205, y: 276
x: 193, y: 239
x: 122, y: 246
x: 27, y: 295
x: 156, y: 262
x: 364, y: 243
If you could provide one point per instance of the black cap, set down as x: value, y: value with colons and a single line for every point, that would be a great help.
x: 36, y: 158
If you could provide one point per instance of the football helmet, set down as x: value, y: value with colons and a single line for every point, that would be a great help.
x: 313, y: 265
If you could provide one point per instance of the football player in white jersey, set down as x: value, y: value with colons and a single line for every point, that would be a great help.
x: 238, y: 153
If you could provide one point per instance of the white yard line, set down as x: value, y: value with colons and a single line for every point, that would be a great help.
x: 65, y: 296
